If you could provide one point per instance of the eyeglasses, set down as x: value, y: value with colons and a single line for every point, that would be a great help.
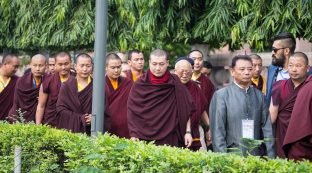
x: 274, y: 49
x: 187, y: 72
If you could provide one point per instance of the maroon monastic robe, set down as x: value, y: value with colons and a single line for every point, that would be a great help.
x: 71, y: 106
x: 298, y: 139
x: 116, y: 106
x: 284, y: 95
x: 51, y: 86
x: 25, y: 99
x: 207, y: 88
x: 6, y: 98
x: 159, y: 111
x: 201, y: 105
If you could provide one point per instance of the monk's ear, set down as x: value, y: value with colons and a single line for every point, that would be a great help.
x: 308, y: 69
x: 75, y: 67
x: 129, y: 62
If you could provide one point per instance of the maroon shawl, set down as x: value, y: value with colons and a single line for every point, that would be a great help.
x: 51, y: 86
x: 159, y: 112
x: 25, y: 99
x: 6, y: 98
x: 201, y: 105
x: 71, y: 106
x: 284, y: 95
x: 298, y: 139
x: 207, y: 88
x: 116, y: 106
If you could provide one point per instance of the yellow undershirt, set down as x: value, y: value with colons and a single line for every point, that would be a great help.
x: 134, y: 77
x: 195, y: 76
x: 38, y: 82
x: 114, y: 83
x: 80, y: 87
x: 63, y: 79
x: 256, y: 81
x: 3, y: 84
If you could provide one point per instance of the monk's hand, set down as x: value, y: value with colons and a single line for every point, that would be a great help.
x: 188, y: 139
x: 208, y: 137
x: 88, y: 119
x: 134, y: 139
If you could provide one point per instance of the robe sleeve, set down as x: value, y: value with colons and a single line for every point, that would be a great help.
x: 217, y: 112
x: 267, y: 130
x: 68, y: 118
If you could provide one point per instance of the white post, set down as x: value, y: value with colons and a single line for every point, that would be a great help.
x: 18, y: 159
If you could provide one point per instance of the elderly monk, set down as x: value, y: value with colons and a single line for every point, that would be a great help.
x: 136, y: 63
x: 27, y: 91
x: 74, y: 103
x: 117, y: 90
x: 205, y: 84
x: 160, y: 106
x: 8, y: 68
x: 49, y: 90
x: 284, y: 95
x: 298, y: 139
x: 183, y: 69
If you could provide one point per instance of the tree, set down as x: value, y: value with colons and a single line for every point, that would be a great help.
x: 146, y: 24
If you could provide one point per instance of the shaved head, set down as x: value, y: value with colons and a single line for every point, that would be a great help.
x: 37, y: 65
x: 10, y: 64
x: 8, y: 57
x: 38, y: 57
x: 301, y: 55
x: 183, y: 64
x: 183, y: 69
x: 112, y: 56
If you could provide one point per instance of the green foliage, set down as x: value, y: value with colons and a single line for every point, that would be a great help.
x: 147, y: 24
x: 50, y: 150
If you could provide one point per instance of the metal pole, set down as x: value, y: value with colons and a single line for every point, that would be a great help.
x: 97, y: 123
x: 17, y: 159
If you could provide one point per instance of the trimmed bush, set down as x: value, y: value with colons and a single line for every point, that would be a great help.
x: 50, y: 150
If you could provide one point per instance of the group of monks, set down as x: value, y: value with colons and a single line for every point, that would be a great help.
x: 154, y: 105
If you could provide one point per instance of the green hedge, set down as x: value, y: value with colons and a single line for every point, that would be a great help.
x: 51, y: 150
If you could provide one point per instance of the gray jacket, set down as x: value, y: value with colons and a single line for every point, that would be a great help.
x: 228, y: 107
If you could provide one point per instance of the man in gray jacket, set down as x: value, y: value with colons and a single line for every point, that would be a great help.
x: 238, y: 113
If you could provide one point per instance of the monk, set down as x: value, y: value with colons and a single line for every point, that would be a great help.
x: 257, y: 79
x: 284, y: 95
x: 27, y: 91
x: 117, y: 90
x: 160, y: 106
x: 205, y: 84
x: 51, y: 64
x: 136, y: 63
x: 124, y: 63
x: 183, y: 69
x: 8, y: 68
x: 297, y: 144
x: 74, y: 103
x: 49, y: 90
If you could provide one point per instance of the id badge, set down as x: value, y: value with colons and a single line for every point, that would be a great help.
x: 248, y: 129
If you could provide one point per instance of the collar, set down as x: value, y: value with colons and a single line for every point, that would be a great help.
x: 159, y: 80
x: 246, y: 90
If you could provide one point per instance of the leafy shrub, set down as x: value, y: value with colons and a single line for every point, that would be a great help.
x: 50, y: 150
